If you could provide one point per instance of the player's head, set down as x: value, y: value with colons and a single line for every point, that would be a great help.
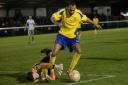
x: 71, y: 7
x: 31, y: 76
x: 30, y: 17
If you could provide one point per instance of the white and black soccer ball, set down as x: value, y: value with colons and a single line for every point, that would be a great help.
x: 74, y: 76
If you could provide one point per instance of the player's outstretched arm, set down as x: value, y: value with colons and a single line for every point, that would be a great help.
x: 97, y: 25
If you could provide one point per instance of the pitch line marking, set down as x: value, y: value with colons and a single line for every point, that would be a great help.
x: 84, y: 81
x: 95, y: 79
x: 10, y: 72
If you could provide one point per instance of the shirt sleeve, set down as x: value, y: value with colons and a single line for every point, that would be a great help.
x: 33, y: 22
x: 84, y: 18
x: 58, y: 15
x: 27, y: 21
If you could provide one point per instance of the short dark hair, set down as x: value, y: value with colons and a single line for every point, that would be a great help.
x: 70, y: 2
x: 30, y: 76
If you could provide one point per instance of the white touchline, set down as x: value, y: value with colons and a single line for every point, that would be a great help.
x: 95, y: 79
x: 84, y: 81
x: 10, y: 72
x: 103, y: 75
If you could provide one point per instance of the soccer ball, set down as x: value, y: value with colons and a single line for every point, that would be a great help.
x: 74, y: 76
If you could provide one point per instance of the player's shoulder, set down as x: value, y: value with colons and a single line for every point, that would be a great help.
x: 32, y: 19
x: 28, y: 20
x: 78, y: 11
x: 61, y: 11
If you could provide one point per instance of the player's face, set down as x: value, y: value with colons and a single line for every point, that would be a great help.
x: 30, y: 17
x: 71, y: 9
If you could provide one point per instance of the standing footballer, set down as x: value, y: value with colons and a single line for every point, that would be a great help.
x: 68, y: 19
x: 30, y: 24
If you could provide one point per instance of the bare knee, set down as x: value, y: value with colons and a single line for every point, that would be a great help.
x: 55, y: 50
x: 77, y: 48
x: 78, y: 51
x: 53, y: 54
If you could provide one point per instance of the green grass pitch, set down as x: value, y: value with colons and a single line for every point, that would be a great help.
x: 104, y: 58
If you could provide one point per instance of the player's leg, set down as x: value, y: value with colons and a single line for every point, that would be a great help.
x: 60, y: 43
x: 95, y: 30
x: 77, y: 49
x: 32, y: 34
x: 57, y: 67
x: 55, y: 50
x: 78, y: 33
x: 75, y: 57
x: 29, y: 36
x: 45, y: 66
x: 42, y: 69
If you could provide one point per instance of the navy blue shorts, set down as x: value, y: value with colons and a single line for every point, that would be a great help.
x: 65, y: 41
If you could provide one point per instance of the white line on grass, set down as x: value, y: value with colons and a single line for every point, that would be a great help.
x: 100, y: 75
x: 10, y: 72
x: 95, y: 79
x: 84, y: 81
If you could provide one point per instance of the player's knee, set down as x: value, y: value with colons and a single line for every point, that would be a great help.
x: 79, y: 51
x: 53, y: 54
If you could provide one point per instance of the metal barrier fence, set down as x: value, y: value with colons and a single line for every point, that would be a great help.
x: 7, y: 31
